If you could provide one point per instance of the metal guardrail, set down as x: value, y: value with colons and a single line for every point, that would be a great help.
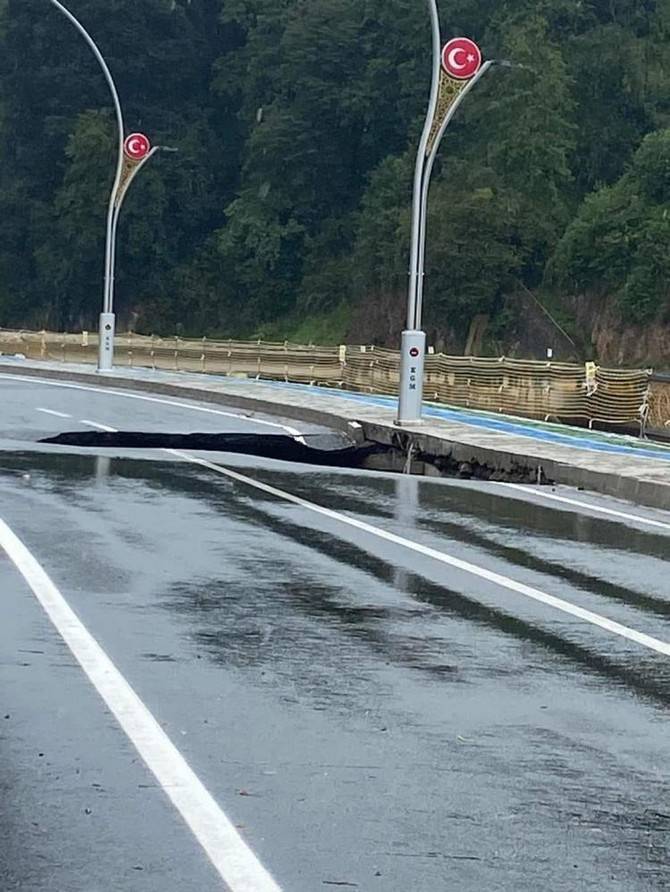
x: 544, y: 390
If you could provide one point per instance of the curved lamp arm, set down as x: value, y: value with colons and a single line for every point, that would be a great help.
x: 427, y: 178
x: 109, y: 259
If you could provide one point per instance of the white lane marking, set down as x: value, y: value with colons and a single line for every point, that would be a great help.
x: 113, y: 430
x: 53, y: 412
x: 294, y: 432
x: 100, y: 427
x: 600, y: 509
x: 588, y: 616
x: 235, y: 862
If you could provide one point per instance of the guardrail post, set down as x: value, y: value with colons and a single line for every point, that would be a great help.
x: 343, y: 360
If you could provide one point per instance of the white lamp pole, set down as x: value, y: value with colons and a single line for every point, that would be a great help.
x: 455, y: 73
x: 107, y: 318
x: 133, y: 154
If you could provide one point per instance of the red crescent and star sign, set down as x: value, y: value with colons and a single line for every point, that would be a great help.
x: 461, y: 58
x: 136, y: 146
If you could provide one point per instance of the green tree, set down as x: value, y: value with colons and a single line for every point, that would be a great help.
x: 297, y: 123
x: 617, y: 244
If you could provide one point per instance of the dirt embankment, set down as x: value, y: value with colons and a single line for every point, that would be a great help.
x: 617, y: 342
x: 585, y: 329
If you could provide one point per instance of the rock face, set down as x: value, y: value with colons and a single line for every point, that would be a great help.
x: 585, y: 328
x: 632, y: 344
x: 600, y: 334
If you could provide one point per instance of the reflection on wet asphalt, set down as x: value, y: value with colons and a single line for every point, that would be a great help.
x: 367, y: 716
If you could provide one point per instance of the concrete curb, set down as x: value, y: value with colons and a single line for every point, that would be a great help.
x: 654, y: 493
x: 633, y: 478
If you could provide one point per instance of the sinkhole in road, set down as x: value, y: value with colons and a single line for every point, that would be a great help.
x: 398, y: 456
x: 277, y: 446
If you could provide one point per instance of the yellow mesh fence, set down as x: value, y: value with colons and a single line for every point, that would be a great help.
x: 659, y: 404
x: 543, y: 390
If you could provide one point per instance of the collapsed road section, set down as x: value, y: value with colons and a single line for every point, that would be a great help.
x: 394, y: 456
x: 277, y: 446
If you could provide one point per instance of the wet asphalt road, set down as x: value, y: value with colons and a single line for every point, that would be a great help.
x: 368, y: 717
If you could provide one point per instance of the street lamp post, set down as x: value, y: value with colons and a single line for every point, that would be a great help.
x: 456, y: 69
x: 129, y: 162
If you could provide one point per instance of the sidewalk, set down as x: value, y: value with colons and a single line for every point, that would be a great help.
x: 619, y: 466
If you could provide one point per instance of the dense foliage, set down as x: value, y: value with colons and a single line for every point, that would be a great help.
x: 296, y: 123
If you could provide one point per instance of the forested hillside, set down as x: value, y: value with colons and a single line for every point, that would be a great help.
x: 286, y: 210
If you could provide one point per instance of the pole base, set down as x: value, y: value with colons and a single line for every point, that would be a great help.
x: 412, y: 362
x: 106, y: 342
x: 416, y: 423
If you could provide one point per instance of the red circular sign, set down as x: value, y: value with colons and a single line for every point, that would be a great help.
x: 137, y: 146
x: 461, y: 58
x: 414, y: 352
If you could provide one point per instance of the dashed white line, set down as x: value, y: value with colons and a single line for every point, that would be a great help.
x: 235, y: 862
x: 520, y: 588
x: 54, y: 413
x: 599, y: 509
x: 292, y: 431
x: 100, y: 427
